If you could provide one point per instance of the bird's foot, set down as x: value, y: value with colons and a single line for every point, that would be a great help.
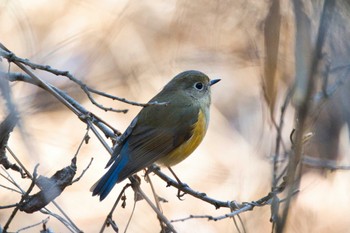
x: 181, y: 193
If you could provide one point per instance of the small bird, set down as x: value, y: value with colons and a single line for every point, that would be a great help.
x: 164, y: 134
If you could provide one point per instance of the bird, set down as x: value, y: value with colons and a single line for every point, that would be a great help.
x: 165, y: 132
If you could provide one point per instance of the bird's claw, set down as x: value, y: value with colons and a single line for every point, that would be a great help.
x: 180, y: 193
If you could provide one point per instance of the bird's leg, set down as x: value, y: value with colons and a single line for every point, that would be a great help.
x: 179, y: 194
x: 150, y: 169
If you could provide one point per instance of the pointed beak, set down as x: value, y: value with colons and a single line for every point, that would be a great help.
x: 212, y: 82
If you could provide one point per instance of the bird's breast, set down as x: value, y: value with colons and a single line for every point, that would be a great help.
x: 185, y: 149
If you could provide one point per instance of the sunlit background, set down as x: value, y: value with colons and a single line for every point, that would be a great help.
x: 131, y: 49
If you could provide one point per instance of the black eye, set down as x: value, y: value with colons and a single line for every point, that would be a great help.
x: 199, y: 86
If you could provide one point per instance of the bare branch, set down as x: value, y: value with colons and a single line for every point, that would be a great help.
x: 323, y: 163
x: 161, y: 216
x: 304, y: 95
x: 109, y: 217
x: 188, y: 190
x: 8, y: 206
x: 83, y: 172
x: 42, y: 222
x: 26, y: 194
x: 11, y: 180
x: 279, y: 141
x: 84, y: 115
x: 125, y: 100
x: 68, y: 222
x: 11, y: 57
x: 240, y: 208
x: 8, y: 188
x: 6, y: 128
x: 156, y: 198
x: 50, y: 188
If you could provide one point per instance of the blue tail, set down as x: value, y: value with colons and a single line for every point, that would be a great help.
x: 108, y: 180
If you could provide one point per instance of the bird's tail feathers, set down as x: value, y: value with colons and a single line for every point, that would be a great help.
x: 104, y: 185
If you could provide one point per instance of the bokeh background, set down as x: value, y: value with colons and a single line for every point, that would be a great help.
x: 132, y: 49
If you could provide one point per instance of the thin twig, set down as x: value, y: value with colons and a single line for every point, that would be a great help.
x: 161, y: 216
x: 85, y: 139
x: 125, y: 100
x: 44, y: 221
x: 279, y: 140
x: 6, y: 53
x: 323, y: 96
x: 11, y: 189
x: 26, y: 194
x: 11, y: 57
x: 303, y: 109
x: 244, y: 207
x: 30, y: 176
x: 99, y: 137
x: 242, y: 224
x: 8, y: 206
x: 83, y: 172
x: 236, y: 224
x: 110, y: 215
x: 132, y: 214
x: 188, y: 190
x: 87, y: 117
x: 11, y: 180
x: 59, y: 218
x: 156, y: 199
x: 75, y: 227
x: 323, y: 163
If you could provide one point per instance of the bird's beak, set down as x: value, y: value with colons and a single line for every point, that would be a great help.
x: 212, y: 82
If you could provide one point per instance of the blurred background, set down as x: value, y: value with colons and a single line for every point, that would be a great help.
x: 131, y: 49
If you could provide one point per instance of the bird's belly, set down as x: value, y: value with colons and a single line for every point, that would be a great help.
x: 185, y: 149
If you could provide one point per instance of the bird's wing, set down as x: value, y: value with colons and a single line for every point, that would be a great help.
x: 156, y: 133
x: 121, y: 142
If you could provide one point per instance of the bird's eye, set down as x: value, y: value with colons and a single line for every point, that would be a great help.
x: 199, y: 86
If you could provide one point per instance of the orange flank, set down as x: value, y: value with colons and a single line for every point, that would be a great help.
x: 184, y: 150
